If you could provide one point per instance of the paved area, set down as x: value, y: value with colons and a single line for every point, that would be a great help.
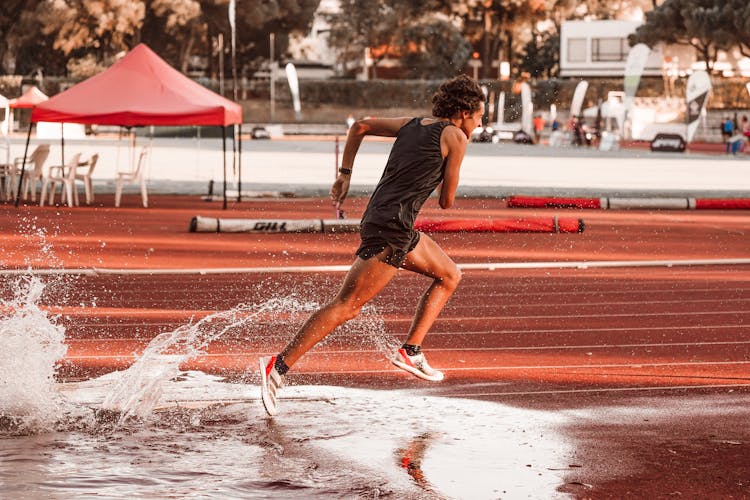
x: 307, y: 167
x: 591, y: 382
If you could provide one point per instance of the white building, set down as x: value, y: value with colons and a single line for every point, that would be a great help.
x: 314, y: 47
x: 600, y: 49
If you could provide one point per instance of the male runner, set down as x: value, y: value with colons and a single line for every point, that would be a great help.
x: 426, y: 155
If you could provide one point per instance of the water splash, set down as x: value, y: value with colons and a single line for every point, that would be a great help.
x: 140, y: 388
x: 32, y: 344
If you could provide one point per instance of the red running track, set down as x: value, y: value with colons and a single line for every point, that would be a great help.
x: 660, y: 341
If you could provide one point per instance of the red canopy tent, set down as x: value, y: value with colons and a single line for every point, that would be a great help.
x: 29, y: 99
x: 141, y: 89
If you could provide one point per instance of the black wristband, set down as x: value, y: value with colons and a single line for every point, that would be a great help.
x: 345, y: 171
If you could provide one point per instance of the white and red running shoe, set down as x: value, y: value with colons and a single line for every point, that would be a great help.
x: 416, y: 365
x: 270, y: 383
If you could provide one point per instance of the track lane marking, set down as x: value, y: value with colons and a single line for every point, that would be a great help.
x: 455, y: 369
x: 456, y: 349
x: 466, y: 332
x: 198, y: 313
x: 610, y: 389
x: 97, y: 271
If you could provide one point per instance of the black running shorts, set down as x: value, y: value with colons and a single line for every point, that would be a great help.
x: 375, y: 239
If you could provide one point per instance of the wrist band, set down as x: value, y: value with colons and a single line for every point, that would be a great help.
x: 345, y: 171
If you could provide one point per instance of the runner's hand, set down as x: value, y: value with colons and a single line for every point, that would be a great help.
x: 340, y: 189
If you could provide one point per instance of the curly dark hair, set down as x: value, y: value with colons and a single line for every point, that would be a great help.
x: 461, y: 93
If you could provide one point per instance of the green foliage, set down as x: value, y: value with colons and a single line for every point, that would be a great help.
x: 541, y: 56
x: 432, y: 37
x: 434, y: 50
x: 52, y: 33
x: 736, y: 16
x: 702, y: 24
x: 22, y: 47
x: 102, y: 28
x: 363, y: 24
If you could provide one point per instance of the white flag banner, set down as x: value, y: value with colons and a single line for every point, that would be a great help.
x: 5, y: 123
x: 527, y: 109
x: 696, y: 93
x: 578, y: 95
x: 500, y: 114
x: 633, y: 70
x: 291, y: 76
x: 232, y: 23
x: 232, y: 8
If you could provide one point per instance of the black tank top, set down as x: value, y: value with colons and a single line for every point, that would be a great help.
x: 415, y: 168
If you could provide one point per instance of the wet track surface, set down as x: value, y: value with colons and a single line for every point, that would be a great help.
x: 636, y: 379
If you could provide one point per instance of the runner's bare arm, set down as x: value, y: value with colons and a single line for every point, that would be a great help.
x: 384, y: 127
x: 453, y: 143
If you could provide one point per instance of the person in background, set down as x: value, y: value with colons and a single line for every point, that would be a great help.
x: 426, y: 156
x: 727, y: 130
x: 538, y: 127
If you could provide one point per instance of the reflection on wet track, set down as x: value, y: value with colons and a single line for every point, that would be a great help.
x: 586, y: 382
x: 327, y: 441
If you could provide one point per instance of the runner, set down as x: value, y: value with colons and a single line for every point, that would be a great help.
x: 426, y: 155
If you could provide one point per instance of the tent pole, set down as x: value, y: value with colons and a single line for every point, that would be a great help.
x: 239, y: 161
x: 62, y: 143
x: 224, y: 147
x: 234, y: 151
x: 23, y: 166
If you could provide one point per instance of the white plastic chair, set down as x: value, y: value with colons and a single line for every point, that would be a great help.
x: 137, y: 176
x: 7, y: 170
x: 34, y: 175
x: 65, y: 175
x: 7, y: 180
x: 85, y: 177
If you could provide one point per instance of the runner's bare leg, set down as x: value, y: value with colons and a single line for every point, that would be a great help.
x: 430, y: 260
x: 365, y: 280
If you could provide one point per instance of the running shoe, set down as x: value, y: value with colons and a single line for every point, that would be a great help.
x: 416, y: 365
x: 270, y: 383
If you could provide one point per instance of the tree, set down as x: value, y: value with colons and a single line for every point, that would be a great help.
x: 19, y: 27
x: 98, y: 27
x: 182, y: 23
x: 697, y: 23
x: 735, y: 17
x: 434, y: 49
x: 541, y: 56
x: 361, y: 25
x: 492, y: 25
x: 255, y: 21
x: 615, y: 9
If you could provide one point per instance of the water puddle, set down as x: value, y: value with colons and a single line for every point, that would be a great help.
x: 154, y: 430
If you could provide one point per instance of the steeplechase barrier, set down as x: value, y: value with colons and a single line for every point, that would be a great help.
x: 675, y: 203
x: 552, y: 224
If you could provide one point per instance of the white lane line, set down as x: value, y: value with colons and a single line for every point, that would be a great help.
x: 610, y: 389
x: 581, y: 290
x: 509, y: 317
x: 459, y: 369
x: 514, y: 317
x: 590, y: 304
x: 604, y: 264
x: 596, y: 346
x: 580, y: 330
x: 343, y: 268
x: 606, y: 365
x: 144, y: 341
